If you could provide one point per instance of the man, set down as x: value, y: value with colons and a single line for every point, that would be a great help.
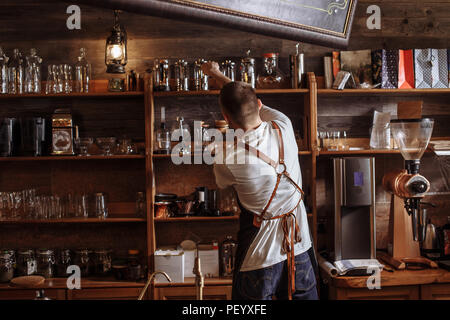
x: 273, y: 217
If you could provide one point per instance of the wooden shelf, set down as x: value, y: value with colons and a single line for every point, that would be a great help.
x: 189, y: 282
x: 359, y: 152
x: 74, y: 220
x: 399, y: 92
x: 74, y: 95
x: 71, y: 158
x: 168, y: 156
x: 197, y: 219
x: 217, y: 92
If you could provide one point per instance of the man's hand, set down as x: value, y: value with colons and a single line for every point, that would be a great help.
x: 212, y: 69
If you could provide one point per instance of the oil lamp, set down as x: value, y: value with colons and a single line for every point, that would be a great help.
x: 116, y: 47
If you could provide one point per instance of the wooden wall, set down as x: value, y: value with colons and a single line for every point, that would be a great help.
x: 405, y: 24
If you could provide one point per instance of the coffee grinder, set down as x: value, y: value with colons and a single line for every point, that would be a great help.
x: 408, y: 188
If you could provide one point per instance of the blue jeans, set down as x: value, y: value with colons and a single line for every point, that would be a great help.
x: 263, y: 284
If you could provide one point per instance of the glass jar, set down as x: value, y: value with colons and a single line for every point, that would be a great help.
x: 63, y: 261
x: 46, y: 263
x: 26, y: 262
x: 229, y: 69
x: 248, y: 71
x: 6, y: 267
x: 134, y: 266
x: 271, y: 77
x: 83, y: 261
x: 102, y: 262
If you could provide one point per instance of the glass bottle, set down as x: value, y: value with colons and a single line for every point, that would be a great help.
x: 16, y: 73
x: 201, y: 81
x: 33, y: 72
x: 248, y: 70
x: 3, y: 72
x: 140, y: 205
x: 163, y: 135
x: 271, y: 77
x: 83, y: 72
x: 26, y: 263
x: 228, y: 255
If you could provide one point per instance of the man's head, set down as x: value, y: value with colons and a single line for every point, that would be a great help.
x: 239, y: 105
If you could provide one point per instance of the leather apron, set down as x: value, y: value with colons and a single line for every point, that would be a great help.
x: 250, y: 223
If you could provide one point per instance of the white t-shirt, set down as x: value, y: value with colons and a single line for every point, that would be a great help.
x: 254, y: 182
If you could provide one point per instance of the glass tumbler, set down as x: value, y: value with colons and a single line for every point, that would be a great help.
x: 101, y: 211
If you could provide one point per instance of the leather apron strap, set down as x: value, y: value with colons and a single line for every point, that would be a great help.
x: 289, y: 223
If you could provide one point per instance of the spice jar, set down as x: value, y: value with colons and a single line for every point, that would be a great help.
x: 46, y: 263
x: 26, y: 262
x: 134, y: 266
x: 63, y: 261
x: 82, y: 260
x: 102, y: 262
x: 6, y: 267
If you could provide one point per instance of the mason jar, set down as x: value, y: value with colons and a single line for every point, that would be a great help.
x: 83, y: 261
x: 102, y: 262
x: 46, y: 263
x: 6, y: 267
x: 26, y: 262
x: 63, y: 260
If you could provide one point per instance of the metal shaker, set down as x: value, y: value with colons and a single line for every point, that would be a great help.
x: 248, y: 70
x: 182, y: 75
x: 201, y: 81
x: 297, y: 68
x: 229, y: 69
x: 228, y: 255
x: 161, y: 75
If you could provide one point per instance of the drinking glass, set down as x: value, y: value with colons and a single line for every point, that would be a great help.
x: 81, y: 204
x: 83, y: 145
x: 67, y: 78
x: 106, y: 144
x: 101, y: 210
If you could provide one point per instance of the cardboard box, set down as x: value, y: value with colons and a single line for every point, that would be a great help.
x: 171, y: 262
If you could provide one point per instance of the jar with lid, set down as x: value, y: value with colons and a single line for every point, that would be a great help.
x: 201, y: 80
x: 271, y: 77
x: 182, y: 75
x: 63, y: 260
x: 228, y: 255
x: 161, y: 75
x: 6, y: 267
x: 229, y: 69
x: 134, y: 265
x: 102, y: 262
x: 83, y: 261
x: 45, y: 263
x: 248, y: 71
x: 26, y: 262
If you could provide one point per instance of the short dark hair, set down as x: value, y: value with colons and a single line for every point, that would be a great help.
x: 238, y: 100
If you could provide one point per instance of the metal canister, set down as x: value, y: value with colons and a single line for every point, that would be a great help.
x: 182, y: 75
x: 201, y: 81
x: 229, y: 69
x: 228, y: 256
x: 297, y: 68
x: 26, y: 262
x: 46, y: 263
x: 161, y: 75
x: 248, y: 70
x: 6, y: 266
